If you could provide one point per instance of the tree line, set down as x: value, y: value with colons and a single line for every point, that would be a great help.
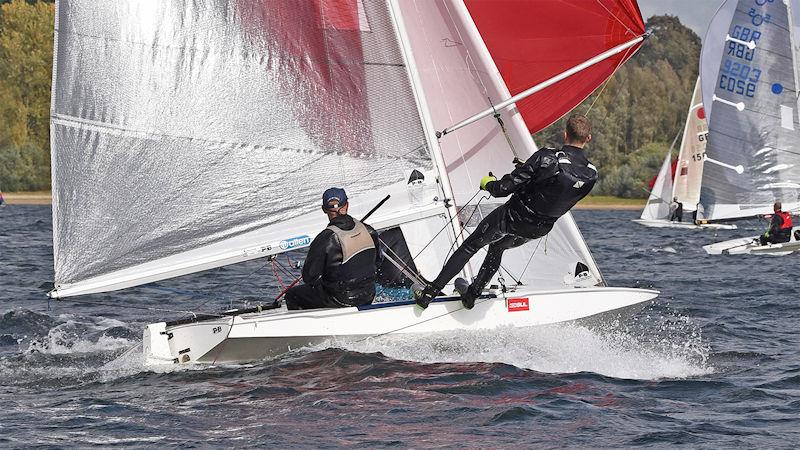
x: 635, y: 116
x: 26, y: 64
x: 641, y: 110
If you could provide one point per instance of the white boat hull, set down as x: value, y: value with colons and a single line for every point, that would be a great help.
x: 750, y: 246
x: 251, y: 337
x: 663, y: 223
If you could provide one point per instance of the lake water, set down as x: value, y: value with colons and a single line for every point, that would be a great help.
x: 714, y: 362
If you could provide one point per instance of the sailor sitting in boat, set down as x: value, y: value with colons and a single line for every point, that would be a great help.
x: 780, y: 228
x: 339, y: 269
x: 677, y: 210
x: 544, y: 188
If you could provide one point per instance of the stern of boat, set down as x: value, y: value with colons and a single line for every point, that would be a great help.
x: 155, y: 345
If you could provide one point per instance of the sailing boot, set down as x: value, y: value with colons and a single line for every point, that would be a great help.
x: 467, y: 296
x: 424, y: 295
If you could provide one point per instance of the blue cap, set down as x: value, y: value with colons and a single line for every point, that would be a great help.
x: 333, y: 195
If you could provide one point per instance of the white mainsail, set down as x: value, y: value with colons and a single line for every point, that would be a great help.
x: 191, y: 135
x: 689, y: 168
x: 748, y: 75
x: 657, y: 206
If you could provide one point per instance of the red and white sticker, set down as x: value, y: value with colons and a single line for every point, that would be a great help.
x: 518, y: 304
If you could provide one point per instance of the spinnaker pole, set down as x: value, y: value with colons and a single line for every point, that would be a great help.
x: 543, y: 85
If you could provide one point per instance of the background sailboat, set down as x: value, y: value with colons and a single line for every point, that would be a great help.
x: 190, y: 136
x: 684, y: 183
x: 749, y: 77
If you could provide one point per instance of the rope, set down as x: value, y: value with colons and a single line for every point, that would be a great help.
x: 463, y: 228
x: 608, y: 81
x: 446, y: 225
x: 529, y: 262
x: 615, y: 17
x: 497, y: 116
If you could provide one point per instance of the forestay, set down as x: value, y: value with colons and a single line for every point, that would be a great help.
x: 187, y: 135
x: 749, y: 83
x: 689, y: 169
x: 657, y: 206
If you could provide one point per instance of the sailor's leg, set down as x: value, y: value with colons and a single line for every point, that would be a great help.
x: 763, y: 240
x: 306, y: 297
x: 491, y: 264
x: 487, y: 232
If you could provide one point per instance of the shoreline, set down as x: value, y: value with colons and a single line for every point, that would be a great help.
x: 27, y: 198
x: 589, y: 203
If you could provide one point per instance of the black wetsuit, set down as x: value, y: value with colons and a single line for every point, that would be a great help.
x: 331, y: 282
x: 677, y: 213
x: 544, y: 188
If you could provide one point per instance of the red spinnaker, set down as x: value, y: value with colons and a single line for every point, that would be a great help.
x: 534, y: 40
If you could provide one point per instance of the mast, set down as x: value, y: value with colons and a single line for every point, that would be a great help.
x: 427, y: 121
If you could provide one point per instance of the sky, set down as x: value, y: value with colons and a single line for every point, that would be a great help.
x: 695, y: 14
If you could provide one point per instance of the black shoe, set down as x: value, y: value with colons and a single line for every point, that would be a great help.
x: 423, y: 296
x: 467, y: 297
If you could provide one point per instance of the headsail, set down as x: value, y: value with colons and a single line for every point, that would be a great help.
x: 186, y: 134
x: 689, y: 170
x: 657, y: 206
x: 748, y: 76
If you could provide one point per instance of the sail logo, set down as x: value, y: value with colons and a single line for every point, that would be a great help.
x: 518, y: 304
x: 295, y: 242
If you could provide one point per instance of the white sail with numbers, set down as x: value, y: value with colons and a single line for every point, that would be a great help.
x: 749, y: 82
x: 689, y: 168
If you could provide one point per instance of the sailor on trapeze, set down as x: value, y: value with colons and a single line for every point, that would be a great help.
x: 544, y: 188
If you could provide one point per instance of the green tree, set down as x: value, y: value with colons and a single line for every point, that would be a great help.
x: 26, y: 56
x: 640, y: 109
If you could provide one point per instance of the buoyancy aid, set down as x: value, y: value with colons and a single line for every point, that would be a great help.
x: 787, y: 220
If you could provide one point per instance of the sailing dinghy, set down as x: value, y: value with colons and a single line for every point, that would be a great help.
x: 749, y: 73
x: 192, y: 135
x: 684, y: 184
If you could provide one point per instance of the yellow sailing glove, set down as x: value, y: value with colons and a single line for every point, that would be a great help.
x: 486, y: 180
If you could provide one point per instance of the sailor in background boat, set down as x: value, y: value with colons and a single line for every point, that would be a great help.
x: 780, y: 227
x: 677, y: 210
x: 339, y: 270
x: 544, y: 188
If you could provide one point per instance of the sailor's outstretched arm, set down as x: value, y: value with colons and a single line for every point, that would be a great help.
x: 541, y: 164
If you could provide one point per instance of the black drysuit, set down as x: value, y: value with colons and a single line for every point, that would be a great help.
x: 331, y: 282
x: 543, y: 189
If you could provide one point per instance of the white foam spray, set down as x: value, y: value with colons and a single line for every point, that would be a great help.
x: 674, y: 350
